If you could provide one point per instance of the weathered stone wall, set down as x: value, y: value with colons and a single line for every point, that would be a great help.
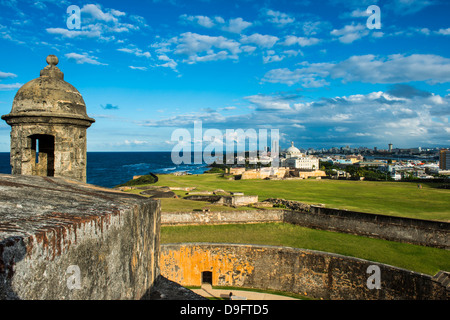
x: 211, y: 217
x: 312, y: 273
x: 415, y: 231
x: 231, y: 201
x: 54, y: 232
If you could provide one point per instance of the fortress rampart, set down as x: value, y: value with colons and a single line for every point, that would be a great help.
x: 312, y: 273
x: 61, y: 239
x: 415, y: 231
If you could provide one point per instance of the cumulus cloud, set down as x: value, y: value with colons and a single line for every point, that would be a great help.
x: 263, y: 41
x: 5, y: 75
x: 445, y: 32
x: 278, y: 18
x: 169, y: 63
x: 96, y: 13
x: 135, y: 51
x: 269, y: 102
x: 138, y: 68
x: 198, y: 48
x: 397, y: 68
x: 412, y: 117
x: 87, y: 33
x: 235, y: 25
x: 101, y: 24
x: 203, y: 21
x: 11, y: 86
x: 350, y: 33
x: 187, y: 120
x: 83, y: 58
x: 302, y: 41
x: 406, y: 7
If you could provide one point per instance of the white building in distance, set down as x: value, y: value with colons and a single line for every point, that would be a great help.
x: 295, y: 159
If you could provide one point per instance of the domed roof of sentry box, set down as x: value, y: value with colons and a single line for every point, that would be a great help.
x: 49, y: 96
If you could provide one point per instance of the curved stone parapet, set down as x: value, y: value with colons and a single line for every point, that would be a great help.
x: 62, y: 239
x: 316, y: 274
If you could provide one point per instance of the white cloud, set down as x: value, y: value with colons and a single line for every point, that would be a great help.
x: 360, y: 118
x: 201, y: 20
x: 135, y: 51
x: 5, y: 75
x: 279, y: 18
x: 228, y: 108
x: 350, y: 33
x: 445, y: 32
x: 96, y: 13
x: 271, y: 102
x: 236, y: 25
x: 12, y: 86
x: 272, y: 57
x: 75, y: 33
x: 405, y: 7
x: 359, y: 13
x: 263, y: 41
x: 101, y: 24
x: 83, y: 58
x: 169, y: 63
x: 311, y: 28
x: 138, y: 68
x: 311, y: 76
x: 200, y: 48
x: 136, y: 142
x: 395, y: 68
x: 302, y: 41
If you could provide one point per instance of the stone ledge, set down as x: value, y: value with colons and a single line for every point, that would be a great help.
x: 50, y: 224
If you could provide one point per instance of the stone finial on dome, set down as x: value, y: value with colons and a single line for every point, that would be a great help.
x: 52, y: 60
x: 52, y: 70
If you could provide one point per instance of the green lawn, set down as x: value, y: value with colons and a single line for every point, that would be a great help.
x: 412, y: 257
x: 390, y: 198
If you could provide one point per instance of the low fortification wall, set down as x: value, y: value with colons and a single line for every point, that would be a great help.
x: 212, y: 217
x: 67, y: 240
x: 311, y: 273
x: 415, y: 231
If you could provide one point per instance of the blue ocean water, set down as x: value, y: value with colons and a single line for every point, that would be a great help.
x: 109, y: 169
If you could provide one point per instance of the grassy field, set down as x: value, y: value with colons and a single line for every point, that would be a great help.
x: 411, y: 257
x: 390, y: 198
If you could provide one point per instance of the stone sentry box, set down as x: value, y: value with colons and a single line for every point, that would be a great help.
x: 48, y: 123
x: 61, y: 239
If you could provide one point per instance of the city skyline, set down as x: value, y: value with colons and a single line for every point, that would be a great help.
x: 316, y: 72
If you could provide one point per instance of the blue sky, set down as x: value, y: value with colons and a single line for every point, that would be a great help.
x: 313, y: 70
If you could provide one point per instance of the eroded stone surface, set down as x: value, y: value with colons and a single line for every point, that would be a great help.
x: 49, y: 224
